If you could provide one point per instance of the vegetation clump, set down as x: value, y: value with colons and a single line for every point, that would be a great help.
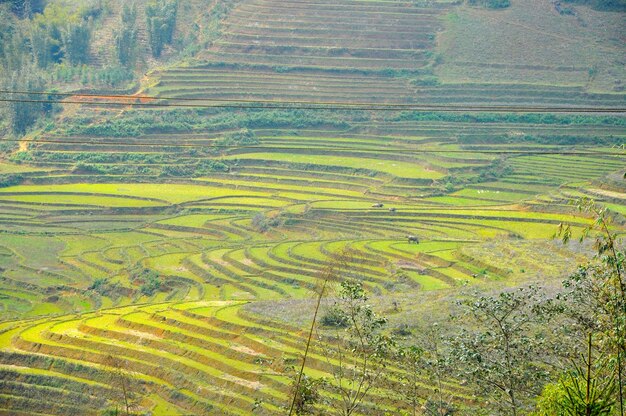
x: 161, y: 18
x: 607, y: 5
x: 265, y: 222
x: 150, y: 281
x: 335, y: 317
x: 10, y: 180
x: 243, y: 137
x: 126, y: 37
x: 491, y: 4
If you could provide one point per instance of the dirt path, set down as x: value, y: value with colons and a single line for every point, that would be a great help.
x: 26, y: 140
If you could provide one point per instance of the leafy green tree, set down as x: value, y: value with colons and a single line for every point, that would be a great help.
x: 596, y: 293
x: 76, y: 40
x: 426, y: 362
x: 8, y: 31
x: 47, y: 34
x: 500, y: 346
x: 62, y: 34
x: 587, y: 389
x: 550, y: 402
x: 24, y: 8
x: 307, y: 394
x: 23, y: 113
x: 161, y: 19
x: 334, y: 317
x: 46, y: 49
x: 357, y: 353
x: 264, y: 222
x: 410, y: 381
x: 151, y: 282
x: 589, y: 393
x: 15, y: 62
x: 126, y: 38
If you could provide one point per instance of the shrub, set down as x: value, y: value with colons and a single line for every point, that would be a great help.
x: 263, y: 222
x: 426, y: 81
x: 491, y: 4
x: 242, y: 137
x: 335, y: 318
x: 529, y: 118
x: 608, y: 5
x: 151, y: 284
x: 10, y: 180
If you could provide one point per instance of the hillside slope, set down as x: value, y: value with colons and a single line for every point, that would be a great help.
x: 142, y: 239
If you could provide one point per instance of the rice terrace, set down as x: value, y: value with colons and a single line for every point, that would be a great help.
x: 355, y: 207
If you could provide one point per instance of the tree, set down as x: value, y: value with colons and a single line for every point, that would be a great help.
x: 24, y: 114
x: 126, y: 38
x: 425, y: 363
x: 304, y: 389
x: 306, y: 393
x: 264, y: 222
x: 242, y: 137
x: 14, y: 48
x: 587, y: 392
x: 7, y: 31
x: 501, y: 345
x: 24, y: 8
x: 44, y: 48
x: 587, y: 389
x: 76, y: 38
x: 121, y: 381
x: 62, y: 34
x: 161, y: 19
x: 47, y: 34
x: 411, y: 358
x: 357, y: 353
x: 596, y: 293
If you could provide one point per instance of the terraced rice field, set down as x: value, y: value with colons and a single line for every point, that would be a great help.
x: 114, y: 198
x: 231, y: 357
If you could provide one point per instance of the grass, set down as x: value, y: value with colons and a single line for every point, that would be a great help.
x: 486, y: 38
x: 193, y: 220
x: 427, y: 282
x: 170, y: 193
x: 400, y: 169
x: 6, y: 167
x: 78, y: 200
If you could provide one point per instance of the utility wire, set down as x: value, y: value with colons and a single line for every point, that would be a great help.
x: 326, y: 149
x: 286, y: 105
x: 291, y: 102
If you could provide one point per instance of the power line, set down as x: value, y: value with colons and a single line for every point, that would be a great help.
x: 291, y: 102
x: 295, y: 105
x: 326, y: 150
